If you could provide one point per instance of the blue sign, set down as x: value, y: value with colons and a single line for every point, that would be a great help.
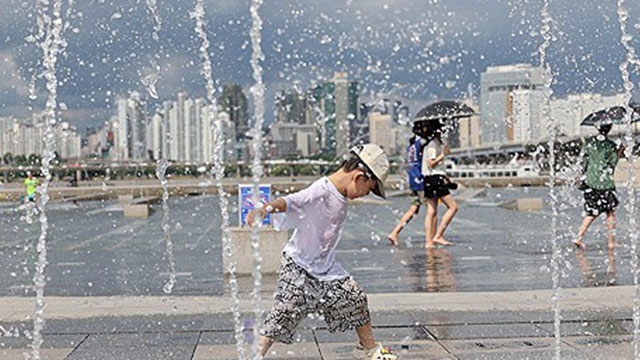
x: 245, y: 201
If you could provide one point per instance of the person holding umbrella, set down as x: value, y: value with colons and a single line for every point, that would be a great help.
x: 432, y: 123
x: 599, y: 158
x: 436, y: 186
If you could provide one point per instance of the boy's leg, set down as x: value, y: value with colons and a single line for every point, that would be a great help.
x: 611, y: 229
x: 429, y: 221
x: 586, y: 222
x: 365, y: 336
x: 393, y: 237
x: 452, y: 209
x: 265, y: 344
x: 289, y: 308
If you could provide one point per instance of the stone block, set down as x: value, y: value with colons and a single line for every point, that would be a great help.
x: 524, y: 204
x: 271, y: 244
x: 140, y: 211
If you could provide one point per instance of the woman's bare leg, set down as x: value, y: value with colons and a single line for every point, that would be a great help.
x: 611, y: 229
x: 452, y: 209
x: 429, y: 222
x: 393, y: 237
x: 586, y: 222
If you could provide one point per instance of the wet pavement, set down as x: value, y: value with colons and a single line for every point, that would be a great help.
x: 596, y: 325
x: 93, y: 250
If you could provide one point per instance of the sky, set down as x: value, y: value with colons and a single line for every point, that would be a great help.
x: 413, y: 50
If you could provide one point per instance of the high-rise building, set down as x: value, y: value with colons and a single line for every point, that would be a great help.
x: 526, y: 121
x: 234, y: 102
x: 174, y: 133
x: 197, y: 152
x: 293, y: 139
x: 337, y: 101
x: 380, y: 130
x: 500, y: 86
x: 469, y: 130
x: 95, y: 142
x: 131, y: 125
x: 290, y: 107
x: 69, y: 143
x: 157, y: 145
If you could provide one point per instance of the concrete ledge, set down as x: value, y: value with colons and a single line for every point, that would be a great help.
x: 140, y: 211
x: 524, y: 204
x: 125, y: 199
x: 18, y: 308
x: 271, y: 244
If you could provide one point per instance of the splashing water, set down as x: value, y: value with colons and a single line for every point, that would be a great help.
x: 52, y: 44
x: 218, y: 172
x: 257, y: 90
x: 161, y: 171
x: 545, y: 32
x: 30, y: 211
x: 630, y: 58
x: 153, y: 9
x: 149, y: 81
x: 35, y: 38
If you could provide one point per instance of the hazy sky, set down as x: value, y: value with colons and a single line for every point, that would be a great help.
x: 415, y: 50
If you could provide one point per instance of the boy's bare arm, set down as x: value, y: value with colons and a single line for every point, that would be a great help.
x: 275, y: 206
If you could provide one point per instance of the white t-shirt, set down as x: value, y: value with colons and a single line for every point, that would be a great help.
x: 430, y: 152
x: 317, y: 216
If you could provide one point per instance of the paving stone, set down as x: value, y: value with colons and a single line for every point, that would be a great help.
x: 512, y: 349
x: 381, y: 334
x: 611, y: 347
x: 136, y: 346
x: 464, y: 317
x: 49, y: 341
x: 46, y: 354
x: 595, y: 313
x: 472, y: 331
x: 140, y: 324
x: 139, y: 352
x: 302, y: 351
x: 601, y: 327
x: 413, y: 349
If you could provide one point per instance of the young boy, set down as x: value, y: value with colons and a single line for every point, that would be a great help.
x: 310, y: 280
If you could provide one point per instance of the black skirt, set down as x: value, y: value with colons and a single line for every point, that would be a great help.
x: 597, y: 201
x: 435, y: 186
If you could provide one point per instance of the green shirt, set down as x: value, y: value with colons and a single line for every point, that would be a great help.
x: 601, y: 158
x: 31, y: 185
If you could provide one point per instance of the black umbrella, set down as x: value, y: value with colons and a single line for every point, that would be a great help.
x: 612, y: 115
x: 436, y: 116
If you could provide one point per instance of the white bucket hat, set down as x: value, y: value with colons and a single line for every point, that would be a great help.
x: 376, y: 162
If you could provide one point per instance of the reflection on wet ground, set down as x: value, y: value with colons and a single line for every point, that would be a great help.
x: 93, y: 250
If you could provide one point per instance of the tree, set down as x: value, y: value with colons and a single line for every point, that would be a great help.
x: 8, y: 158
x: 21, y: 160
x: 34, y: 159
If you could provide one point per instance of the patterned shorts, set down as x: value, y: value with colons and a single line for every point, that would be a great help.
x: 597, y: 201
x: 341, y: 302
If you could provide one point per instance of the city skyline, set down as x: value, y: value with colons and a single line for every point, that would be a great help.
x: 412, y: 50
x: 508, y: 111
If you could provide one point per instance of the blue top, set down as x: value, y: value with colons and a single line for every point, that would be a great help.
x: 414, y: 159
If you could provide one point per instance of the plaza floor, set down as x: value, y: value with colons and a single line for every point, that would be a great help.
x: 596, y: 324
